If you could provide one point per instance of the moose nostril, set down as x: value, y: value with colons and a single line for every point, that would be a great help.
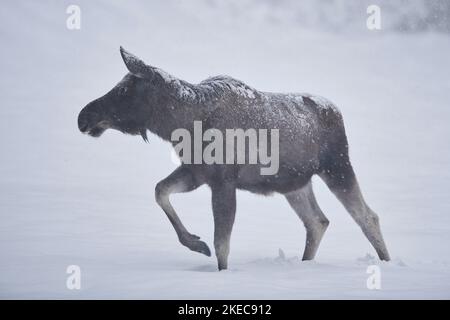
x: 89, y: 117
x: 83, y: 127
x: 82, y: 124
x: 83, y: 121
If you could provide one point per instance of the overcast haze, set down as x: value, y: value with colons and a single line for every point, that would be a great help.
x: 66, y: 198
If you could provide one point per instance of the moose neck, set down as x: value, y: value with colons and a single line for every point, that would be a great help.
x: 177, y: 106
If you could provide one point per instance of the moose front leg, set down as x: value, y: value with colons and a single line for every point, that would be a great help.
x: 224, y: 209
x: 181, y: 180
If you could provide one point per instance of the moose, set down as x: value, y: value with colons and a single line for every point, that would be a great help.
x: 312, y: 141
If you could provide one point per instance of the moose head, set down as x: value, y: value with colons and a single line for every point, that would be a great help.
x: 133, y: 104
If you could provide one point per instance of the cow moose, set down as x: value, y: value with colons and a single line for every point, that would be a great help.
x: 312, y: 141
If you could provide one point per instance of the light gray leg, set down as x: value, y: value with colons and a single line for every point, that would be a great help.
x: 181, y: 180
x: 346, y: 189
x: 224, y: 209
x: 305, y: 205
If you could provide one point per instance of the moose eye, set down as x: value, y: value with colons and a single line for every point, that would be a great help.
x: 122, y: 91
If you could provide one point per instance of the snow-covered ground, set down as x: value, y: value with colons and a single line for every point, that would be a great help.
x: 67, y: 199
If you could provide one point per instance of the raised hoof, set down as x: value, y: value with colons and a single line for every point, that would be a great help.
x: 192, y: 242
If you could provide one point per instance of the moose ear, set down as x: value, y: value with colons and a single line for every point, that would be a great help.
x: 135, y: 65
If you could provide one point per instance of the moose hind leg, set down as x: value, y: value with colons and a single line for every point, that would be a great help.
x: 342, y: 182
x: 305, y: 205
x: 181, y: 180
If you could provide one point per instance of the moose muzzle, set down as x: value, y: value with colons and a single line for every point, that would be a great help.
x: 90, y: 122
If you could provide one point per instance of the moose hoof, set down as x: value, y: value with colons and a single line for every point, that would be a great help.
x: 193, y: 243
